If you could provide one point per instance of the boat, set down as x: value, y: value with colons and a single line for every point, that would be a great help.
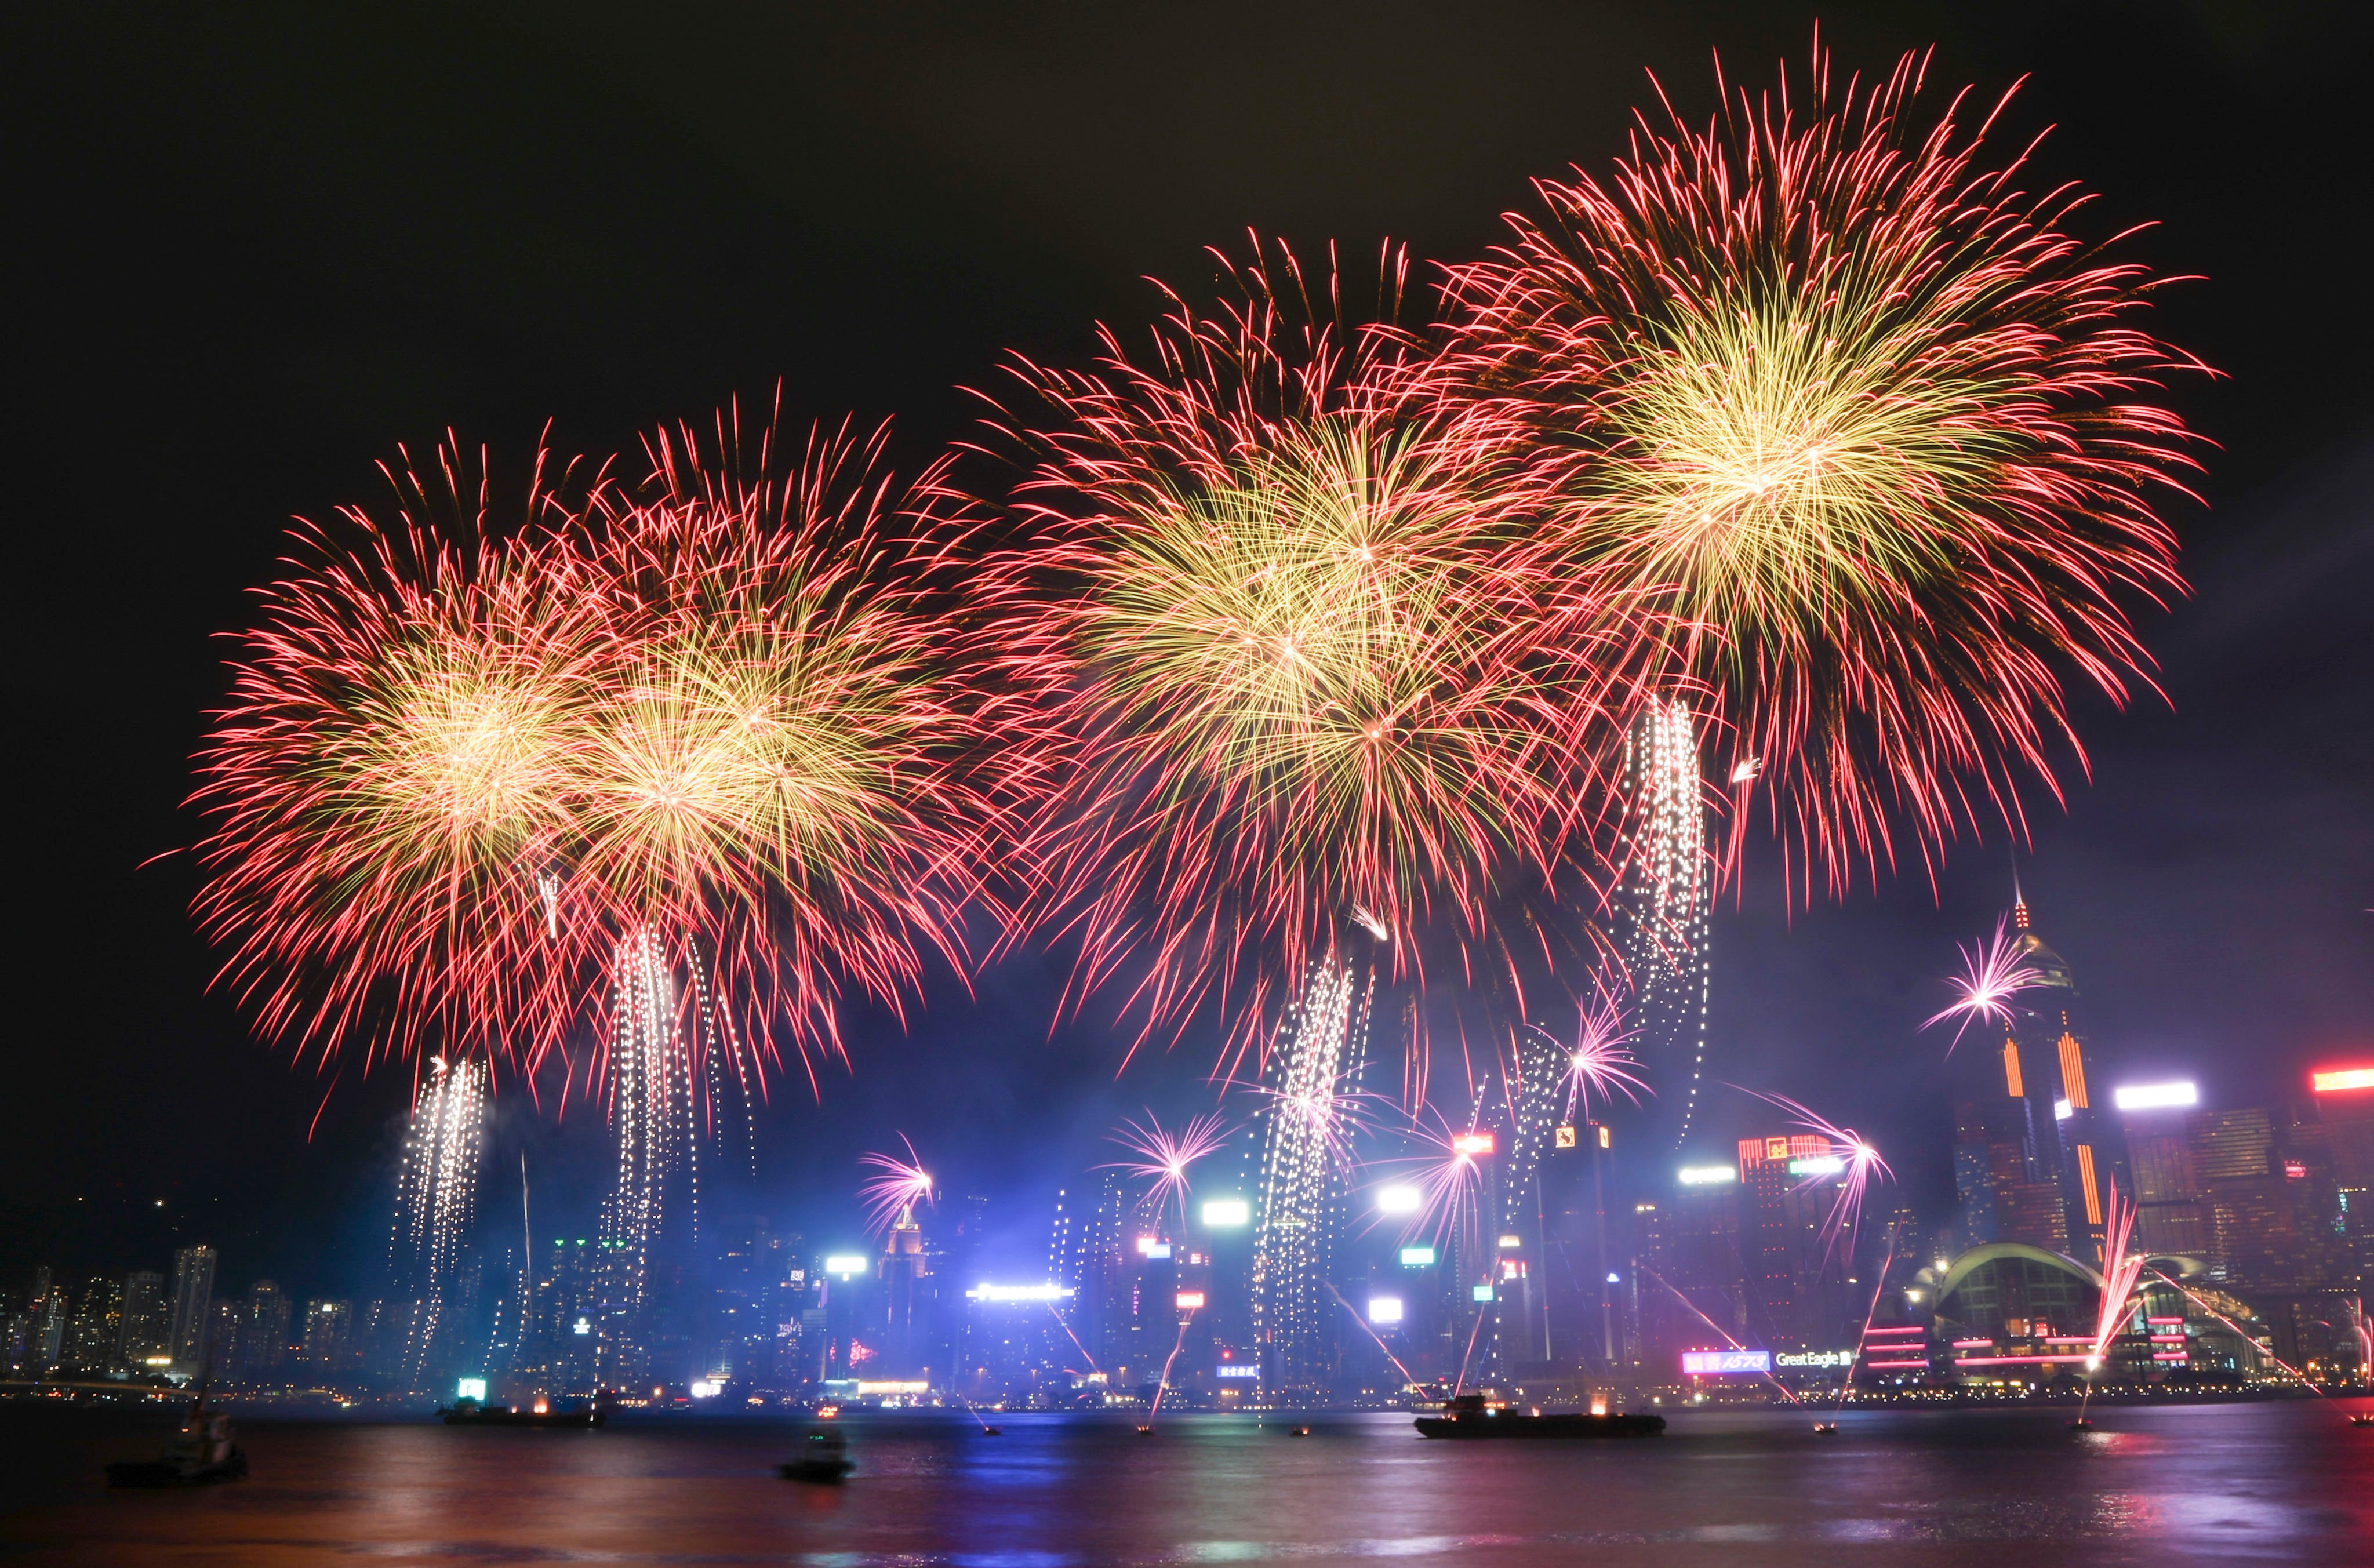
x: 2362, y: 1421
x: 1477, y: 1415
x: 470, y: 1413
x: 1826, y: 1429
x: 200, y: 1454
x: 823, y: 1458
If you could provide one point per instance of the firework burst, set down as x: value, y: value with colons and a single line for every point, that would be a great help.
x: 1873, y: 422
x: 393, y: 782
x: 1991, y: 975
x: 780, y: 744
x: 463, y: 763
x: 1282, y: 625
x: 1164, y: 1157
x: 1600, y: 1061
x: 902, y: 1184
x: 1850, y: 1164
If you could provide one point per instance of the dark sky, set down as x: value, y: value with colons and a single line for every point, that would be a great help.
x: 254, y: 248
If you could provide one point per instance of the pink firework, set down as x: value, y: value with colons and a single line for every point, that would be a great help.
x: 1438, y: 1191
x: 902, y: 1185
x: 1601, y: 1061
x: 1856, y: 1164
x: 1991, y: 975
x: 1164, y: 1157
x: 2122, y: 1269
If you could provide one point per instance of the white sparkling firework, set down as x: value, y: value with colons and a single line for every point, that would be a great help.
x: 1302, y: 1160
x: 663, y: 1092
x: 1667, y: 894
x: 436, y: 1198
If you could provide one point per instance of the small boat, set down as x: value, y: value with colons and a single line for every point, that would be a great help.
x: 823, y: 1459
x: 992, y: 1432
x: 1299, y: 1431
x: 1477, y: 1415
x: 1826, y: 1429
x: 470, y: 1413
x: 2081, y: 1424
x: 200, y: 1454
x: 2362, y: 1421
x: 1145, y: 1432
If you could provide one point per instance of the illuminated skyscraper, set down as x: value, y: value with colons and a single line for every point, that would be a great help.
x: 193, y: 1291
x: 436, y: 1200
x: 1666, y: 895
x: 1320, y: 1042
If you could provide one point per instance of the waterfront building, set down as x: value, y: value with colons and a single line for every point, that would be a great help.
x: 145, y: 1343
x: 193, y: 1287
x: 1796, y: 1275
x: 1087, y: 1255
x: 327, y: 1338
x: 95, y: 1331
x: 2034, y: 1156
x: 262, y: 1333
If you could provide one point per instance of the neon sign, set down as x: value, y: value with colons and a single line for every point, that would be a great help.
x: 1725, y: 1363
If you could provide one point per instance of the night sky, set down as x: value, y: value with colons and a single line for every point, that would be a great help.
x: 254, y: 248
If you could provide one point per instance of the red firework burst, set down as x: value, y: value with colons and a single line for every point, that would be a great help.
x: 455, y: 774
x: 1864, y: 415
x: 392, y: 783
x: 1282, y: 628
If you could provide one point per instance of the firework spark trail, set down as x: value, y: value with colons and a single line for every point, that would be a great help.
x: 1282, y: 628
x: 2242, y: 1334
x: 1163, y: 1386
x: 1711, y: 1323
x: 1667, y: 894
x: 1991, y: 975
x: 2119, y: 1282
x: 1165, y: 1157
x: 1877, y: 424
x: 1859, y: 1162
x: 1469, y: 1354
x: 1073, y: 1338
x: 1863, y: 1341
x: 901, y: 1185
x: 1369, y: 1329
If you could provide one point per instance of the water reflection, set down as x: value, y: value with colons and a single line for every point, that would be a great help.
x: 2270, y: 1483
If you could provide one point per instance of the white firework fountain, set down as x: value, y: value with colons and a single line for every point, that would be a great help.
x: 436, y: 1199
x: 1667, y: 892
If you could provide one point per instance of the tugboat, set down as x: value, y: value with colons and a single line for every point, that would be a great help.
x: 200, y: 1454
x: 823, y: 1459
x: 471, y: 1413
x: 1477, y: 1415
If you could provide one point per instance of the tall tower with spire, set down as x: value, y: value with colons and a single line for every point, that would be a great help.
x: 2029, y: 1157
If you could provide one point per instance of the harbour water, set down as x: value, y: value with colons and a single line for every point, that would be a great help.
x: 2287, y: 1481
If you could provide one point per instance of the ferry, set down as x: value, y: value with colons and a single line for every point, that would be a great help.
x: 1479, y: 1415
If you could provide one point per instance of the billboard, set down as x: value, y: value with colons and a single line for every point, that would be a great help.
x: 1226, y: 1213
x: 1725, y: 1363
x: 2154, y: 1096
